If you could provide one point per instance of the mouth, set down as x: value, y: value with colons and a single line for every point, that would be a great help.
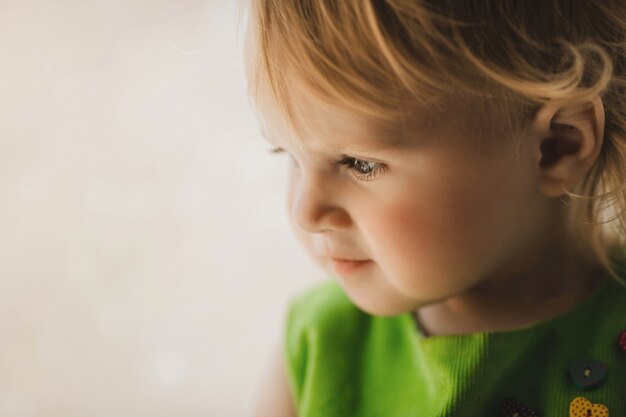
x: 348, y: 266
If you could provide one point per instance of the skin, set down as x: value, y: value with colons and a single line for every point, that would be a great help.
x: 466, y: 238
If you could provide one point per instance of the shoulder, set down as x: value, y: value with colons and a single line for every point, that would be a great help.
x: 322, y: 302
x: 616, y: 282
x: 323, y: 314
x: 605, y: 311
x: 322, y: 325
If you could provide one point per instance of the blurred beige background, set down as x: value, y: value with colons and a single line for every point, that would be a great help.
x: 145, y: 254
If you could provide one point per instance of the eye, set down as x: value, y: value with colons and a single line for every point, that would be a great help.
x: 361, y: 169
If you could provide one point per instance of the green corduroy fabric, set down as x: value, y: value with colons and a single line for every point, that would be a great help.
x: 344, y: 362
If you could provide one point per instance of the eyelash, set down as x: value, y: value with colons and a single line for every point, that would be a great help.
x: 351, y: 163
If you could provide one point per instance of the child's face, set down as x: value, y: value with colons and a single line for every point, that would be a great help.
x: 440, y: 218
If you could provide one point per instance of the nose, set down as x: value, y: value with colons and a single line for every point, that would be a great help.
x: 313, y: 205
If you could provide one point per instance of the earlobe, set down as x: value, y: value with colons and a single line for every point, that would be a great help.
x: 569, y: 139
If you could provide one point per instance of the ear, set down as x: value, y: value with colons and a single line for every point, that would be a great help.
x: 567, y: 140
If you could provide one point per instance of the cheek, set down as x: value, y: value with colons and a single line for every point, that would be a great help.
x: 414, y: 241
x: 446, y: 234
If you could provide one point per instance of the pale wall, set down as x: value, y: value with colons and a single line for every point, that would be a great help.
x: 145, y: 256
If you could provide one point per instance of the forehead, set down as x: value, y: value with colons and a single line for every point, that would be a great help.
x: 323, y: 128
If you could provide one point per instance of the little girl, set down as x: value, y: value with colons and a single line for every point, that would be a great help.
x: 459, y: 169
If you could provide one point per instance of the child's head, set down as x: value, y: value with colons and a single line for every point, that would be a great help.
x: 448, y: 142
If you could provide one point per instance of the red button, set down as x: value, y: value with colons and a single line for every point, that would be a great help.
x: 621, y: 340
x: 513, y: 408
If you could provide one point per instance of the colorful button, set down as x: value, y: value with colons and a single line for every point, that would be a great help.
x: 621, y: 340
x: 582, y: 407
x: 587, y: 373
x: 513, y: 408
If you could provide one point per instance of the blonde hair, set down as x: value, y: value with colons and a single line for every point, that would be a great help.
x: 383, y: 57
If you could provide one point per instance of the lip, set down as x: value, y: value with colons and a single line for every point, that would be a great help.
x: 337, y: 256
x: 346, y: 266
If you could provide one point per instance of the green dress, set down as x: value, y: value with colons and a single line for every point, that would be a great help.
x: 344, y: 362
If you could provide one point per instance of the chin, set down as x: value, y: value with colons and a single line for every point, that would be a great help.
x: 374, y: 296
x: 377, y: 307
